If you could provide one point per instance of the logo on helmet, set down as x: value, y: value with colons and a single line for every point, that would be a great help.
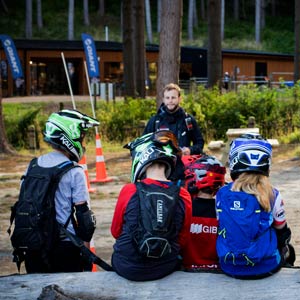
x: 66, y: 142
x: 146, y: 155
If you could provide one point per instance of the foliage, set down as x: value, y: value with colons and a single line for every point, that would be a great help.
x: 277, y: 36
x: 276, y: 111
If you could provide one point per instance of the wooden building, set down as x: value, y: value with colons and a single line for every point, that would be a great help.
x: 45, y: 74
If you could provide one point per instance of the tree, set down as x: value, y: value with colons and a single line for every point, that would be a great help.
x: 101, y: 8
x: 148, y: 21
x: 28, y: 23
x: 158, y: 15
x: 39, y: 14
x: 71, y: 20
x: 257, y: 21
x: 190, y: 20
x: 222, y: 19
x: 128, y: 49
x: 236, y: 8
x: 297, y: 41
x: 214, y: 49
x: 169, y: 46
x: 140, y: 50
x: 86, y: 17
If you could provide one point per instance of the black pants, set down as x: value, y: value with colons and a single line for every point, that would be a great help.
x: 65, y: 257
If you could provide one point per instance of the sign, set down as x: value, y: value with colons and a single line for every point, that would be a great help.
x: 91, y: 55
x: 12, y: 56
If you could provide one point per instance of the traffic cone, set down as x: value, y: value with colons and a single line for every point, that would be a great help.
x: 92, y: 248
x: 82, y: 162
x: 100, y: 164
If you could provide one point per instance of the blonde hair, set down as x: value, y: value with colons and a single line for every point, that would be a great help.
x: 172, y: 86
x: 258, y: 185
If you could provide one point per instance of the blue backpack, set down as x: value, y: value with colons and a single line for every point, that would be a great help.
x: 245, y: 235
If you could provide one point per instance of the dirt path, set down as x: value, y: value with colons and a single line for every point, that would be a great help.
x: 285, y: 175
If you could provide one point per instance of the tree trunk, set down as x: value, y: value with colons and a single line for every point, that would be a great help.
x: 214, y: 49
x: 236, y: 10
x: 86, y: 17
x: 169, y: 46
x: 101, y: 9
x: 39, y: 14
x: 203, y: 10
x: 28, y: 26
x: 140, y: 57
x: 159, y: 4
x: 190, y: 20
x: 257, y: 21
x: 148, y: 21
x: 297, y: 41
x: 222, y: 19
x: 71, y: 20
x: 128, y: 50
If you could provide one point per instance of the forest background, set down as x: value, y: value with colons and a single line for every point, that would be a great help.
x: 276, y: 111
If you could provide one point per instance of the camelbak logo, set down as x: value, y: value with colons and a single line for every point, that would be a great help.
x: 66, y: 142
x: 159, y: 211
x: 199, y: 228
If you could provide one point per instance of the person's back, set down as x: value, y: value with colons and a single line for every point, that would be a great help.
x: 65, y: 131
x: 253, y: 240
x: 204, y: 176
x: 152, y: 163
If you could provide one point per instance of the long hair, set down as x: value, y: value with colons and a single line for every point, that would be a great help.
x: 258, y: 185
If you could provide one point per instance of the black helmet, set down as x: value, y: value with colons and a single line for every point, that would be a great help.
x: 66, y: 129
x: 250, y: 153
x: 161, y: 146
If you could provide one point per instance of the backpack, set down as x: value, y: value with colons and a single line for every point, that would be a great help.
x: 245, y: 235
x: 36, y: 228
x: 156, y: 228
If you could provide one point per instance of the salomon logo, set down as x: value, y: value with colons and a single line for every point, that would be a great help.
x: 236, y: 206
x: 199, y: 228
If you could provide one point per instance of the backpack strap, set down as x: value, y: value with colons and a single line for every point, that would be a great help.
x: 188, y: 122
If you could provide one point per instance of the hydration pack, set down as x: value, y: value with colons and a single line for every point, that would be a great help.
x: 156, y: 226
x: 245, y: 235
x: 34, y: 214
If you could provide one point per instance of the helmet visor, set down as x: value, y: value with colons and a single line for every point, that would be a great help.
x: 256, y: 158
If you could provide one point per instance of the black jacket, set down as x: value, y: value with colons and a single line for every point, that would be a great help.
x: 178, y: 122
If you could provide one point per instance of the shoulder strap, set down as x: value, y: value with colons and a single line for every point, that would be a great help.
x: 188, y: 122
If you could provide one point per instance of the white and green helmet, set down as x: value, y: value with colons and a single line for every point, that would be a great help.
x: 66, y: 129
x: 161, y: 146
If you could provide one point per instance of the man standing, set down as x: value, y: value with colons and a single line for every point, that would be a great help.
x: 173, y: 117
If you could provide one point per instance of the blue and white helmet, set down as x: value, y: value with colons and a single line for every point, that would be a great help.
x: 250, y: 153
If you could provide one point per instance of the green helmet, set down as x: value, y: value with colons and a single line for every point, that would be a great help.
x: 66, y: 129
x: 161, y: 146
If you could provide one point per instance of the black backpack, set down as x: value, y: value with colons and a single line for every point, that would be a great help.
x: 156, y: 228
x: 36, y: 228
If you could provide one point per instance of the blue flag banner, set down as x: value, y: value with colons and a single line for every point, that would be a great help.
x: 12, y: 56
x: 91, y: 55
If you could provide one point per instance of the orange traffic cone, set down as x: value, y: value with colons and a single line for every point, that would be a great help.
x: 92, y: 248
x: 100, y: 165
x: 82, y: 162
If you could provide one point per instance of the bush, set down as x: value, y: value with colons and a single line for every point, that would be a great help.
x: 277, y: 114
